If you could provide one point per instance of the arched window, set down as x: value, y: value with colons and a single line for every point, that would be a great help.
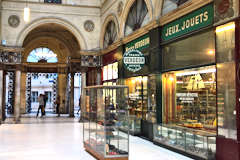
x: 42, y: 55
x: 138, y: 16
x: 110, y: 35
x: 170, y: 5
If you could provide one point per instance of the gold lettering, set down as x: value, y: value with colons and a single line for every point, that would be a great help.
x: 192, y: 21
x: 205, y: 16
x: 201, y: 17
x: 196, y: 19
x: 136, y: 45
x: 167, y: 33
x: 177, y: 28
x: 183, y: 27
x: 148, y: 40
x: 187, y: 23
x: 170, y: 31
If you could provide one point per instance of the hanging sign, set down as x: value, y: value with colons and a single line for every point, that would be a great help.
x: 139, y: 43
x: 200, y: 18
x: 133, y: 60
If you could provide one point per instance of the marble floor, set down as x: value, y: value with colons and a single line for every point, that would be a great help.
x: 62, y: 139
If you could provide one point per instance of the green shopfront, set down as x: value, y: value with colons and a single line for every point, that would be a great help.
x: 136, y: 70
x: 188, y: 85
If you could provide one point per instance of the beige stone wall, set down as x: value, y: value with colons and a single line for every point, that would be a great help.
x: 72, y: 17
x: 67, y: 2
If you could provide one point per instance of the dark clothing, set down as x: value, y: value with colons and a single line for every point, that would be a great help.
x: 45, y: 98
x: 58, y: 106
x: 42, y: 110
x: 79, y: 109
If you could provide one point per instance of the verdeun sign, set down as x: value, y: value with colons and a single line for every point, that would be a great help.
x: 133, y: 60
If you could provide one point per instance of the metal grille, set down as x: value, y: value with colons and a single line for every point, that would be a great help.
x: 10, y: 95
x: 28, y: 93
x: 110, y: 35
x: 55, y: 89
x: 68, y: 91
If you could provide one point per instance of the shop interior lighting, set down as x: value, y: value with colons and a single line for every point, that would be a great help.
x: 226, y: 27
x: 196, y: 72
x: 211, y: 52
x: 145, y: 79
x: 171, y: 78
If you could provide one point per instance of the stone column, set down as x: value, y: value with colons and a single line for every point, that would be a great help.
x: 71, y: 107
x: 17, y: 102
x: 23, y: 93
x: 62, y: 83
x: 1, y: 95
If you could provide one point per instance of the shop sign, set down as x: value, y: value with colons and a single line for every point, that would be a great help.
x: 200, y: 18
x: 138, y: 44
x: 186, y: 97
x: 133, y: 60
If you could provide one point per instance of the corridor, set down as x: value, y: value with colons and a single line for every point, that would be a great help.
x: 61, y: 139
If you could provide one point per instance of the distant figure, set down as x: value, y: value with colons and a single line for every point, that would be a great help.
x: 79, y: 104
x: 41, y: 104
x: 45, y: 98
x: 58, y: 105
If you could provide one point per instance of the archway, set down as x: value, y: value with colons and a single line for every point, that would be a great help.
x: 48, y: 50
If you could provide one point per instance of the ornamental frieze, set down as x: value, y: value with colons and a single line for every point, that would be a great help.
x: 10, y: 57
x: 224, y: 9
x: 91, y: 61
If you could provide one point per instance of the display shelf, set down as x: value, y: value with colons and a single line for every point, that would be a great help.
x: 196, y: 143
x: 103, y: 118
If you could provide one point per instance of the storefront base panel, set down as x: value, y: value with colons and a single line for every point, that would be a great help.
x: 227, y: 149
x: 99, y: 156
x: 147, y: 130
x: 195, y: 157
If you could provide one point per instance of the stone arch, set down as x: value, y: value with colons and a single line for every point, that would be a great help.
x: 62, y: 54
x: 126, y: 10
x: 110, y: 17
x: 66, y: 24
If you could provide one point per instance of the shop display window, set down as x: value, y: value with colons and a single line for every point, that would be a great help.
x: 226, y: 92
x: 137, y: 96
x: 152, y: 89
x: 196, y: 50
x: 115, y: 70
x: 110, y: 72
x: 197, y: 143
x: 189, y: 98
x: 105, y: 73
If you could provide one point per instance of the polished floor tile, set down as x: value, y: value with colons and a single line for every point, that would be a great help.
x: 62, y: 139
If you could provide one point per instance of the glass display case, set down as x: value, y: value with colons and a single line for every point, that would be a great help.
x: 196, y: 143
x: 132, y: 124
x: 104, y: 113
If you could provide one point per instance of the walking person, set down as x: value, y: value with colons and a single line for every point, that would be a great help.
x: 45, y: 98
x: 58, y: 105
x: 79, y: 104
x: 41, y: 104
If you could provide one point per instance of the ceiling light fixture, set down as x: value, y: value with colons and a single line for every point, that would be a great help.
x: 26, y: 13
